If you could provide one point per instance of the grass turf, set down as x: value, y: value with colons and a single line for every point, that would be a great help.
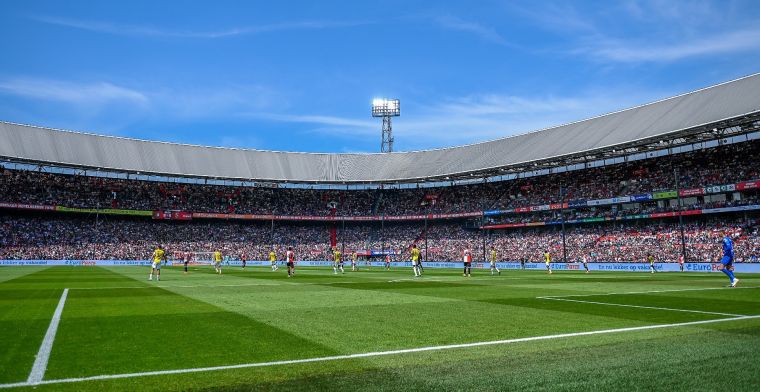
x: 116, y: 322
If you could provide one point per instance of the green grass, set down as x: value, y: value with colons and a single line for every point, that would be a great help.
x: 115, y: 322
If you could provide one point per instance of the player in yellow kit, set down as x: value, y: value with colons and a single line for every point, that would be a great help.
x: 273, y: 260
x: 493, y: 262
x: 416, y: 260
x: 548, y: 261
x: 158, y: 256
x: 338, y: 263
x: 218, y: 261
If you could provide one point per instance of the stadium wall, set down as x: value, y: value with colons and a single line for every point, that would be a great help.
x: 617, y: 267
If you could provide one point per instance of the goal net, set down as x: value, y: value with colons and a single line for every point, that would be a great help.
x: 196, y: 258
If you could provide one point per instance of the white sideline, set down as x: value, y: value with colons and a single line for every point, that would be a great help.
x: 372, y: 354
x: 40, y: 363
x: 642, y: 307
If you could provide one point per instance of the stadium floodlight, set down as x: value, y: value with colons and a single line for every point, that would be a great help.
x: 382, y: 107
x: 386, y: 108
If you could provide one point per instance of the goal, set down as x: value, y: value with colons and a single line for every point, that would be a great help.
x: 197, y: 258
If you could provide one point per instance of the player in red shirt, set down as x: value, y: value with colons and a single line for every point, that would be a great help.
x: 187, y: 256
x: 467, y: 263
x: 290, y: 259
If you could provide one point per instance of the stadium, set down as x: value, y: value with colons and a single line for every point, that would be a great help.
x: 589, y: 255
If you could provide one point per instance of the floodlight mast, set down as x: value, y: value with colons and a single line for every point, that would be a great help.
x: 386, y: 108
x: 386, y: 140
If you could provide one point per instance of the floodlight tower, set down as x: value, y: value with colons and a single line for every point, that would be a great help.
x: 386, y: 108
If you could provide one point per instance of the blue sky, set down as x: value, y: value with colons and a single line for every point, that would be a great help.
x: 300, y: 76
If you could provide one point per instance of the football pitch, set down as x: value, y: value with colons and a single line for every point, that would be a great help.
x: 109, y: 328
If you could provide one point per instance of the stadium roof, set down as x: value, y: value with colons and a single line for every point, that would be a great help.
x: 697, y: 115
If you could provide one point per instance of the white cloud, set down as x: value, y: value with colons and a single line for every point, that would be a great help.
x: 107, y: 106
x: 713, y: 44
x: 496, y: 104
x: 208, y: 102
x: 97, y: 93
x: 656, y: 31
x: 562, y: 17
x: 675, y: 11
x: 317, y: 119
x: 475, y: 118
x: 150, y: 31
x: 482, y: 31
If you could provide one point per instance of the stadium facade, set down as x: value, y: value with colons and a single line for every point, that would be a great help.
x: 620, y: 181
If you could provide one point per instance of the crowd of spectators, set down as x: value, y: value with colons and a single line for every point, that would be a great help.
x: 80, y: 238
x: 634, y: 242
x: 714, y: 166
x: 699, y: 168
x: 614, y: 211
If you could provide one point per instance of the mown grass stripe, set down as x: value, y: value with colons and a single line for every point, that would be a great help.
x: 374, y: 354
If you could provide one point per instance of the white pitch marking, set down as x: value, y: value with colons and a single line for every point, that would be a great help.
x: 376, y: 354
x: 40, y: 363
x: 643, y: 307
x: 644, y: 292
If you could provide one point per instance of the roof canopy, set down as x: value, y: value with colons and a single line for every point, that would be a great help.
x: 655, y: 121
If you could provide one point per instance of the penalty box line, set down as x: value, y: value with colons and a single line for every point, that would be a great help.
x: 644, y: 307
x: 647, y: 292
x: 372, y: 354
x: 566, y: 298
